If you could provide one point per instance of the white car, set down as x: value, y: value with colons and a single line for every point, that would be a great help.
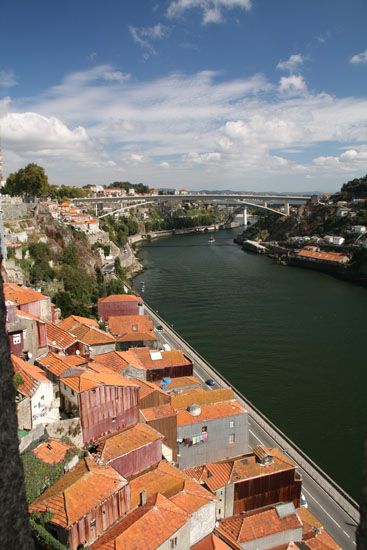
x: 304, y: 503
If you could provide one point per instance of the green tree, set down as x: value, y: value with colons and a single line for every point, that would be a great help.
x: 31, y: 180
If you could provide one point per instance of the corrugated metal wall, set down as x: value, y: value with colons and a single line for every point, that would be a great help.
x: 138, y: 460
x: 110, y: 309
x: 107, y: 409
x: 167, y: 426
x: 169, y: 372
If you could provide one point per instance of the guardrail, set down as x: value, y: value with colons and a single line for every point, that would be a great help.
x: 335, y: 492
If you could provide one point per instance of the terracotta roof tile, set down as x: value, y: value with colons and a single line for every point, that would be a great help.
x: 324, y: 256
x: 91, y: 335
x: 77, y: 492
x: 180, y: 382
x: 165, y: 479
x: 192, y: 497
x: 148, y: 527
x: 310, y: 522
x: 257, y: 524
x: 27, y: 315
x: 215, y: 475
x: 211, y: 411
x: 113, y: 360
x: 21, y: 295
x: 132, y: 328
x: 147, y: 388
x: 74, y: 320
x: 120, y: 298
x: 211, y: 542
x: 126, y: 441
x: 201, y: 396
x: 57, y: 364
x: 322, y: 541
x: 81, y: 379
x: 59, y: 338
x: 51, y: 451
x: 141, y: 358
x: 32, y: 376
x: 161, y: 411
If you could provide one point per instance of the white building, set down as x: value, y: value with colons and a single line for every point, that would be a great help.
x: 35, y: 399
x: 333, y: 239
x: 359, y: 229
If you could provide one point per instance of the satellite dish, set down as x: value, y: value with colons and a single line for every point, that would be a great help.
x: 77, y: 352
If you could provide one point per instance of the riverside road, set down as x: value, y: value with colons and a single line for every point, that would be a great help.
x: 340, y: 525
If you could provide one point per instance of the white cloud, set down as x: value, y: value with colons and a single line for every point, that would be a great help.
x: 212, y: 10
x: 7, y: 79
x: 292, y: 63
x: 92, y: 128
x: 145, y: 37
x: 292, y: 85
x: 359, y: 58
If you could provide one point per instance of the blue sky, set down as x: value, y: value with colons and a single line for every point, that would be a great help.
x: 241, y: 94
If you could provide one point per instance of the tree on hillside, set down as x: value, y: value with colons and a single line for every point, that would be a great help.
x: 356, y: 188
x: 31, y: 180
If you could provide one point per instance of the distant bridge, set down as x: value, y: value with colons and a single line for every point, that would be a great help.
x: 250, y: 199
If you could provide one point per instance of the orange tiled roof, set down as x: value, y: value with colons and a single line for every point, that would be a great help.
x: 141, y: 358
x: 322, y: 541
x: 127, y: 441
x: 132, y: 328
x: 147, y: 388
x: 192, y: 497
x: 32, y: 376
x: 310, y: 522
x: 325, y: 256
x: 57, y: 364
x: 112, y: 360
x: 91, y: 335
x: 59, y: 338
x: 83, y: 379
x: 180, y: 382
x: 161, y: 411
x: 51, y: 451
x: 21, y: 295
x: 257, y: 524
x: 201, y: 396
x: 120, y: 298
x: 215, y: 475
x: 211, y: 542
x: 148, y: 527
x: 74, y: 320
x: 27, y: 315
x: 165, y: 479
x: 211, y: 411
x: 78, y: 491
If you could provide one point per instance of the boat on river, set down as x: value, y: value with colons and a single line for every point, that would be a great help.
x: 211, y: 240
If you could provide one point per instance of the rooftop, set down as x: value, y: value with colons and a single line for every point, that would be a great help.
x: 151, y: 525
x: 58, y: 364
x: 82, y: 379
x: 126, y: 441
x: 120, y: 298
x: 51, y: 451
x: 78, y: 491
x: 32, y: 376
x: 326, y: 256
x: 59, y: 338
x: 112, y: 359
x: 132, y: 328
x: 211, y: 542
x: 201, y: 396
x: 21, y: 295
x: 74, y: 320
x: 145, y: 358
x: 192, y: 497
x: 211, y: 411
x: 258, y: 524
x: 91, y: 335
x: 164, y: 478
x: 155, y: 413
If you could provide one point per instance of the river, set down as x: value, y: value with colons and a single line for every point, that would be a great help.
x: 291, y: 340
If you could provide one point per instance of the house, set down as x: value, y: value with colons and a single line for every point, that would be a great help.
x: 262, y: 529
x: 120, y: 304
x: 84, y: 503
x: 73, y: 321
x: 151, y: 395
x: 35, y: 399
x: 52, y: 451
x: 95, y: 340
x: 29, y: 301
x: 26, y: 332
x: 163, y: 418
x: 61, y: 341
x: 359, y: 229
x: 131, y: 451
x: 257, y: 479
x: 334, y: 239
x: 105, y: 401
x: 152, y: 365
x: 157, y: 524
x: 132, y: 331
x: 342, y: 211
x: 55, y: 364
x: 314, y: 535
x: 200, y: 505
x: 211, y: 432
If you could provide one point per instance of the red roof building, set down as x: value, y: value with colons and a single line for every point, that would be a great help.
x: 120, y: 304
x: 132, y: 331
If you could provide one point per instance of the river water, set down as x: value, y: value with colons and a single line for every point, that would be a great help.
x: 291, y: 340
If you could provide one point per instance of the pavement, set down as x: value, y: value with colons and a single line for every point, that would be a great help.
x: 335, y: 520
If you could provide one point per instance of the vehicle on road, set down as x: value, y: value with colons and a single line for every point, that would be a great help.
x: 210, y: 382
x: 159, y: 327
x: 304, y: 503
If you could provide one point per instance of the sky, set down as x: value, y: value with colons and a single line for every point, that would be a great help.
x: 256, y: 95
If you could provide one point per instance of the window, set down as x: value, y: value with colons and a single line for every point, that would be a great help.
x: 231, y: 424
x: 204, y: 429
x: 93, y: 523
x: 173, y: 542
x: 72, y: 392
x: 231, y: 439
x: 17, y: 339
